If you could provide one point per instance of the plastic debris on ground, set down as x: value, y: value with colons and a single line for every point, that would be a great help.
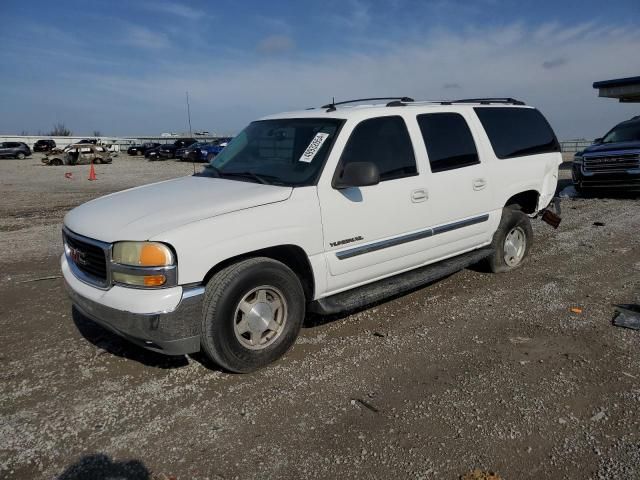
x: 627, y: 316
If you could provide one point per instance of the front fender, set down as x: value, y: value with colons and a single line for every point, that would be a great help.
x: 204, y: 244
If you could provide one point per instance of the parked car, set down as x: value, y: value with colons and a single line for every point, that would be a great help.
x: 181, y: 153
x: 17, y: 150
x: 44, y: 145
x: 78, y: 154
x: 327, y: 209
x: 613, y: 161
x: 169, y: 150
x: 152, y: 153
x: 141, y: 149
x: 94, y: 141
x: 205, y: 152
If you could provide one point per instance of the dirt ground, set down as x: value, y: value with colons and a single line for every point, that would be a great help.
x: 483, y: 371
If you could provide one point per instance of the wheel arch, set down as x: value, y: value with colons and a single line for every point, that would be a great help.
x: 292, y: 256
x: 527, y: 200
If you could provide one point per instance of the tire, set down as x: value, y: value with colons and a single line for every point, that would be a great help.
x: 20, y: 156
x: 515, y: 228
x: 138, y: 153
x: 258, y: 284
x: 210, y: 156
x: 56, y: 162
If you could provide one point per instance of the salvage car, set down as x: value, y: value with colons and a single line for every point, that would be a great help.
x: 141, y: 149
x: 323, y: 210
x: 613, y: 161
x: 17, y: 150
x: 44, y: 145
x: 79, y: 154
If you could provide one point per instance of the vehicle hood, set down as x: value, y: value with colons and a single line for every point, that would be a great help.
x: 613, y: 148
x: 144, y: 212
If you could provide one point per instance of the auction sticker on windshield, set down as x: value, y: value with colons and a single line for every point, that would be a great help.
x: 313, y: 147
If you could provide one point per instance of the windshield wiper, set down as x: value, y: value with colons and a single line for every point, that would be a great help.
x: 247, y: 174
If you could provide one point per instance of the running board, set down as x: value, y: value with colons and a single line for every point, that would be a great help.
x: 388, y: 287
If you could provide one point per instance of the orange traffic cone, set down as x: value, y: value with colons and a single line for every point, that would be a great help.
x: 92, y: 173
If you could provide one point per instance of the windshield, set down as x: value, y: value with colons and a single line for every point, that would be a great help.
x: 625, y: 132
x: 280, y: 152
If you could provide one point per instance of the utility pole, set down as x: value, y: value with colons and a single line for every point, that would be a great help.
x: 189, y: 115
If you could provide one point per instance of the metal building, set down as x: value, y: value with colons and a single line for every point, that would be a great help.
x: 624, y: 89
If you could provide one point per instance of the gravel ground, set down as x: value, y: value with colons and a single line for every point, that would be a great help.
x: 477, y: 371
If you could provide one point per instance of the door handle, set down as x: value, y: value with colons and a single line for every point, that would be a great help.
x: 479, y: 183
x: 419, y: 195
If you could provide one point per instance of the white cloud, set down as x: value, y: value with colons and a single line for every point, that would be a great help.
x: 144, y: 37
x: 492, y: 62
x: 176, y: 9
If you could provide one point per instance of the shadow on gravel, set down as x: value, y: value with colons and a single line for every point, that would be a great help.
x: 115, y: 345
x: 101, y: 467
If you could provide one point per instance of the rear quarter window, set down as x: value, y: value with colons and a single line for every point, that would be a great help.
x: 516, y: 132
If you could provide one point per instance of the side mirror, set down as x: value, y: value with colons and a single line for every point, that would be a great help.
x: 598, y: 140
x: 358, y: 174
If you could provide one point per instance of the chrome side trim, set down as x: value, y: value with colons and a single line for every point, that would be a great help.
x: 391, y: 242
x: 410, y: 237
x: 460, y: 224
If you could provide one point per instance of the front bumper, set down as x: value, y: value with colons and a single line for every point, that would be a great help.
x: 172, y: 331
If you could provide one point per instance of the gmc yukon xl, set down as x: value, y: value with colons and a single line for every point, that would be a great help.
x: 325, y: 209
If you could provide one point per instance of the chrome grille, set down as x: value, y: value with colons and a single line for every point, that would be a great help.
x: 88, y: 256
x: 617, y: 163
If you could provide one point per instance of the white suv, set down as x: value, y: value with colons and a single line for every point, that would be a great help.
x: 325, y: 209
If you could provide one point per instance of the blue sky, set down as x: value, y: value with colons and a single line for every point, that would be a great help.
x: 122, y: 67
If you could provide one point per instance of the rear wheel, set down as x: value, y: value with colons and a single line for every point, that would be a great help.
x: 511, y: 242
x: 253, y: 312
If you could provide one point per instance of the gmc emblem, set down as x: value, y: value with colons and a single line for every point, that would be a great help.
x: 77, y: 256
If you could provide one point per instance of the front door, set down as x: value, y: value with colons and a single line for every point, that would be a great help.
x: 371, y: 232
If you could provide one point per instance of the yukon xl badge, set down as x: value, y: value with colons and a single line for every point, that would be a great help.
x: 346, y: 240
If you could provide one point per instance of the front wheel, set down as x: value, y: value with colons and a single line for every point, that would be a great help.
x: 253, y: 311
x: 20, y: 156
x: 511, y: 242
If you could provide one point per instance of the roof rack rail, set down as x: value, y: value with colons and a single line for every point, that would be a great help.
x: 332, y: 106
x: 488, y: 100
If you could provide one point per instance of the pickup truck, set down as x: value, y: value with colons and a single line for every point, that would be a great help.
x: 322, y: 210
x: 612, y: 162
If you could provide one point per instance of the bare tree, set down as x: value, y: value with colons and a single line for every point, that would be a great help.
x: 96, y: 133
x: 59, y: 130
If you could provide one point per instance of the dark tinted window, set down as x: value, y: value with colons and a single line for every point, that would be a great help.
x: 384, y: 141
x: 515, y: 132
x: 449, y: 141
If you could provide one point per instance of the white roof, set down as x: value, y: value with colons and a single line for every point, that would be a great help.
x: 362, y: 111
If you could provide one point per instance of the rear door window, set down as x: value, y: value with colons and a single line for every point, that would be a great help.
x: 384, y: 141
x: 448, y: 140
x: 515, y: 132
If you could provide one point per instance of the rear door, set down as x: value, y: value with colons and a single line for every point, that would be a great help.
x: 459, y: 188
x: 86, y: 155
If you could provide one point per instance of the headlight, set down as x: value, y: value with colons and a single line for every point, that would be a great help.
x: 143, y: 264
